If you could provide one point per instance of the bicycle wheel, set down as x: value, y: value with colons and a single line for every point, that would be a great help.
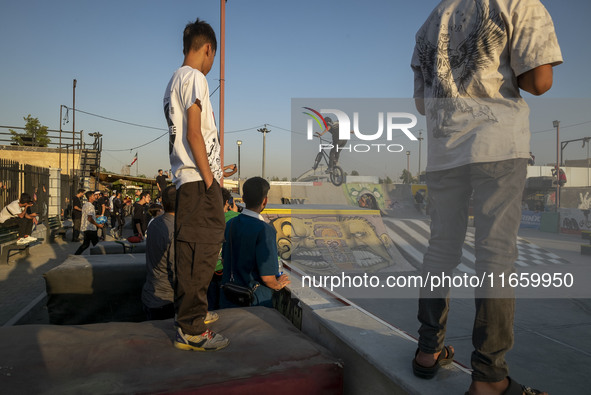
x: 336, y: 176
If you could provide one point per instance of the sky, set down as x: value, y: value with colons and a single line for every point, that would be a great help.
x: 122, y: 54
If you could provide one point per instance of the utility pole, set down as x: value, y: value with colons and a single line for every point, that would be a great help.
x: 264, y: 131
x: 556, y: 124
x: 409, y: 174
x: 222, y: 50
x: 420, y: 141
x: 73, y: 125
x: 239, y: 143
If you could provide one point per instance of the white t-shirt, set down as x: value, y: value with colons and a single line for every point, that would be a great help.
x: 186, y: 86
x: 11, y: 210
x: 466, y: 60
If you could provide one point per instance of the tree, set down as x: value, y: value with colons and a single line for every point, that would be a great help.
x: 354, y: 173
x: 34, y: 134
x: 407, y: 177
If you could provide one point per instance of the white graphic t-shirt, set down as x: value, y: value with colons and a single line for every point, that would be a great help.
x: 186, y: 86
x: 466, y: 59
x: 87, y: 210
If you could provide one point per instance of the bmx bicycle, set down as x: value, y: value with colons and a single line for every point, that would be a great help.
x: 335, y: 173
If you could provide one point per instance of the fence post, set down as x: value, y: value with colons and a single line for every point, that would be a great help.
x: 54, y: 204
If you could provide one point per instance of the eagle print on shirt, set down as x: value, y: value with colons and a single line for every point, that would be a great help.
x: 448, y: 71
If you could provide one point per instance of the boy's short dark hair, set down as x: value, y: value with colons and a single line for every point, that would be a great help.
x: 153, y: 209
x: 254, y: 191
x: 169, y: 199
x: 196, y: 34
x: 81, y: 190
x: 144, y: 194
x: 89, y: 194
x: 25, y: 198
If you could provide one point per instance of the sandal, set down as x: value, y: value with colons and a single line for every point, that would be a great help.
x: 515, y: 388
x: 428, y: 372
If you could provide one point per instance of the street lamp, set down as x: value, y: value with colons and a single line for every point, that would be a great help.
x: 556, y: 124
x: 420, y: 141
x: 264, y: 131
x: 408, y: 166
x: 238, y: 143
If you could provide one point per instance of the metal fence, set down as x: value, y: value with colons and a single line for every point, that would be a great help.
x: 69, y: 186
x: 9, y: 176
x: 19, y: 178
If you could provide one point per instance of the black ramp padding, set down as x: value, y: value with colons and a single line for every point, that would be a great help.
x: 96, y: 288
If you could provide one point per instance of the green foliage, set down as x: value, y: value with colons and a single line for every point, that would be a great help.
x: 387, y: 180
x: 354, y: 173
x: 34, y: 134
x: 407, y: 177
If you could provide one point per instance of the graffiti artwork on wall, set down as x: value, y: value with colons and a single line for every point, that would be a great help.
x: 370, y: 196
x: 325, y: 244
x: 576, y: 220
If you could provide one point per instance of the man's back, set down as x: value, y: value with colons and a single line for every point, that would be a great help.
x: 158, y: 289
x: 467, y: 57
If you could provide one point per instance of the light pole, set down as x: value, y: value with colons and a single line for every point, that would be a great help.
x: 556, y: 124
x: 420, y: 141
x: 74, y: 125
x: 239, y: 143
x: 264, y: 131
x: 408, y: 167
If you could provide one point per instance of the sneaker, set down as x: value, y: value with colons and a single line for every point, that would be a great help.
x: 22, y: 241
x: 30, y: 239
x: 207, y: 341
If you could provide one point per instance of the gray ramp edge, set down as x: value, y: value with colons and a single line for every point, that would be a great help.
x: 377, y: 356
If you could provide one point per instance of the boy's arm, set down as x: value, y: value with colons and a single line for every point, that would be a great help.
x: 536, y: 81
x: 197, y: 144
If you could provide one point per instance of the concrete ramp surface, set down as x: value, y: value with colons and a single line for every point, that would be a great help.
x: 267, y: 354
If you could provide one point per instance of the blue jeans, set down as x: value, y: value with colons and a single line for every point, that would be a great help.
x: 496, y: 189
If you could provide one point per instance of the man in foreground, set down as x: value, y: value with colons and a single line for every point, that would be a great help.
x: 471, y: 58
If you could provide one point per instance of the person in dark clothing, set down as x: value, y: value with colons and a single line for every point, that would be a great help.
x: 161, y: 182
x: 117, y: 216
x: 77, y: 214
x: 139, y: 216
x: 333, y: 129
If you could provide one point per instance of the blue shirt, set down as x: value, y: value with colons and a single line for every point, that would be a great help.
x: 250, y: 251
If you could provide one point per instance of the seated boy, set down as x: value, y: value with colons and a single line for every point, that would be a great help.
x: 18, y: 213
x: 250, y: 251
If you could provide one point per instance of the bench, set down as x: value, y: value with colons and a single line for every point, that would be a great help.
x: 8, y: 238
x: 55, y: 228
x: 586, y: 248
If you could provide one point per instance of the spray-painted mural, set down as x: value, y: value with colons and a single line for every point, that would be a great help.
x: 334, y: 243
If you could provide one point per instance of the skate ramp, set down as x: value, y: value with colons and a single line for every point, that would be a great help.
x: 332, y: 239
x: 390, y: 199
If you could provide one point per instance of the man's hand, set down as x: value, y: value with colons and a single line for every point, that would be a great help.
x: 230, y: 170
